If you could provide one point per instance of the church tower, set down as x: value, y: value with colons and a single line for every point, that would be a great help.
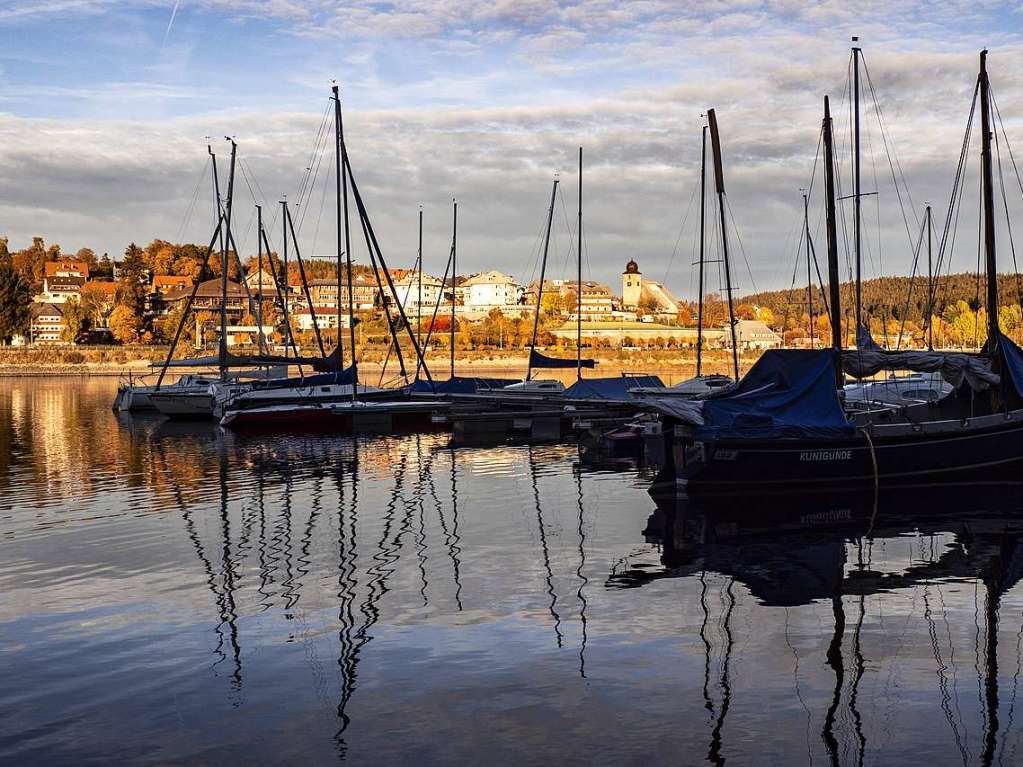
x: 632, y: 285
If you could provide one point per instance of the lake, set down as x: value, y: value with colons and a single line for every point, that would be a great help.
x: 175, y: 594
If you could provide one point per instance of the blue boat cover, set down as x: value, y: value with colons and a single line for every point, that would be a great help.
x: 346, y: 376
x: 788, y: 393
x: 616, y: 388
x: 458, y: 385
x: 1012, y: 360
x: 537, y: 360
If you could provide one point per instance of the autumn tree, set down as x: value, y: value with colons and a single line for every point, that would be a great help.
x: 125, y: 325
x: 77, y: 322
x: 30, y: 263
x: 88, y: 255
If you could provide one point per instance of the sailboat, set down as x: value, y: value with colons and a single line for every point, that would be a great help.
x: 703, y: 384
x: 784, y: 427
x: 545, y: 386
x: 132, y: 397
x: 340, y: 403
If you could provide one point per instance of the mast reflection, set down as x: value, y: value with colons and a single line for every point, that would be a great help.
x: 799, y: 555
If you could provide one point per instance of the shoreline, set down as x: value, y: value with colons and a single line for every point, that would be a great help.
x: 504, y: 367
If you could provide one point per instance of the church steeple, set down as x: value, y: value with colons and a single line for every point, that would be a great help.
x: 632, y: 284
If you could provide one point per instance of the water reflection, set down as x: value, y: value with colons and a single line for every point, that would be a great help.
x: 176, y: 593
x: 795, y: 553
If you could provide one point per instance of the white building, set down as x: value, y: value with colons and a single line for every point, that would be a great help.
x: 488, y: 290
x: 754, y: 334
x: 407, y: 289
x: 327, y: 317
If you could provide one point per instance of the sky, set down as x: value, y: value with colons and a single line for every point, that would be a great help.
x: 106, y: 106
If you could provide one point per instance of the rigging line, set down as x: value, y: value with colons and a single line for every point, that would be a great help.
x: 955, y: 202
x: 310, y: 188
x: 738, y: 237
x: 1005, y: 202
x: 681, y: 230
x: 882, y: 125
x: 980, y: 229
x: 959, y: 179
x: 571, y: 232
x: 316, y: 233
x: 195, y: 198
x: 912, y: 278
x: 320, y: 131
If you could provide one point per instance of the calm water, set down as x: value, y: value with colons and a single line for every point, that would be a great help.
x: 174, y: 594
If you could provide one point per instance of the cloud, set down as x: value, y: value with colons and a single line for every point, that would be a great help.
x: 484, y: 102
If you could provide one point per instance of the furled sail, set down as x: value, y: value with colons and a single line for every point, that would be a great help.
x: 537, y: 360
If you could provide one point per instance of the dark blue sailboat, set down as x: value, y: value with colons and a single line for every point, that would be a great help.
x: 784, y: 426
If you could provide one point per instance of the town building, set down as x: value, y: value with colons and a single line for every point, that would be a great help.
x: 261, y: 283
x: 46, y: 323
x: 754, y: 334
x: 594, y: 301
x: 408, y: 288
x: 66, y: 268
x: 482, y: 292
x: 649, y: 295
x: 208, y: 298
x: 62, y: 280
x: 327, y: 317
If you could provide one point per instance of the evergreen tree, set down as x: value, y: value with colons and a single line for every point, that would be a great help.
x: 15, y: 298
x: 131, y: 288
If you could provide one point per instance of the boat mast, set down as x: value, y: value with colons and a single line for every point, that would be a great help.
x: 419, y: 269
x: 285, y: 279
x: 338, y: 172
x: 543, y: 271
x: 989, y: 208
x: 809, y: 276
x: 930, y: 282
x: 342, y: 158
x: 832, y: 228
x: 719, y: 177
x: 216, y: 190
x: 703, y: 220
x: 259, y: 276
x: 857, y: 220
x: 222, y: 346
x: 579, y: 280
x: 454, y: 277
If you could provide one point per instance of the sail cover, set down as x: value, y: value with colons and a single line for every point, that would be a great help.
x: 1012, y: 361
x: 788, y: 393
x: 537, y: 360
x: 458, y: 385
x: 615, y: 388
x: 954, y: 367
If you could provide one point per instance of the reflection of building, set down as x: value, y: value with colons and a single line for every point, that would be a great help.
x: 641, y: 293
x: 47, y: 323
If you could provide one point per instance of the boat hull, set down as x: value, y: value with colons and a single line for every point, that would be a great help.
x: 743, y: 467
x: 184, y: 406
x: 338, y: 418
